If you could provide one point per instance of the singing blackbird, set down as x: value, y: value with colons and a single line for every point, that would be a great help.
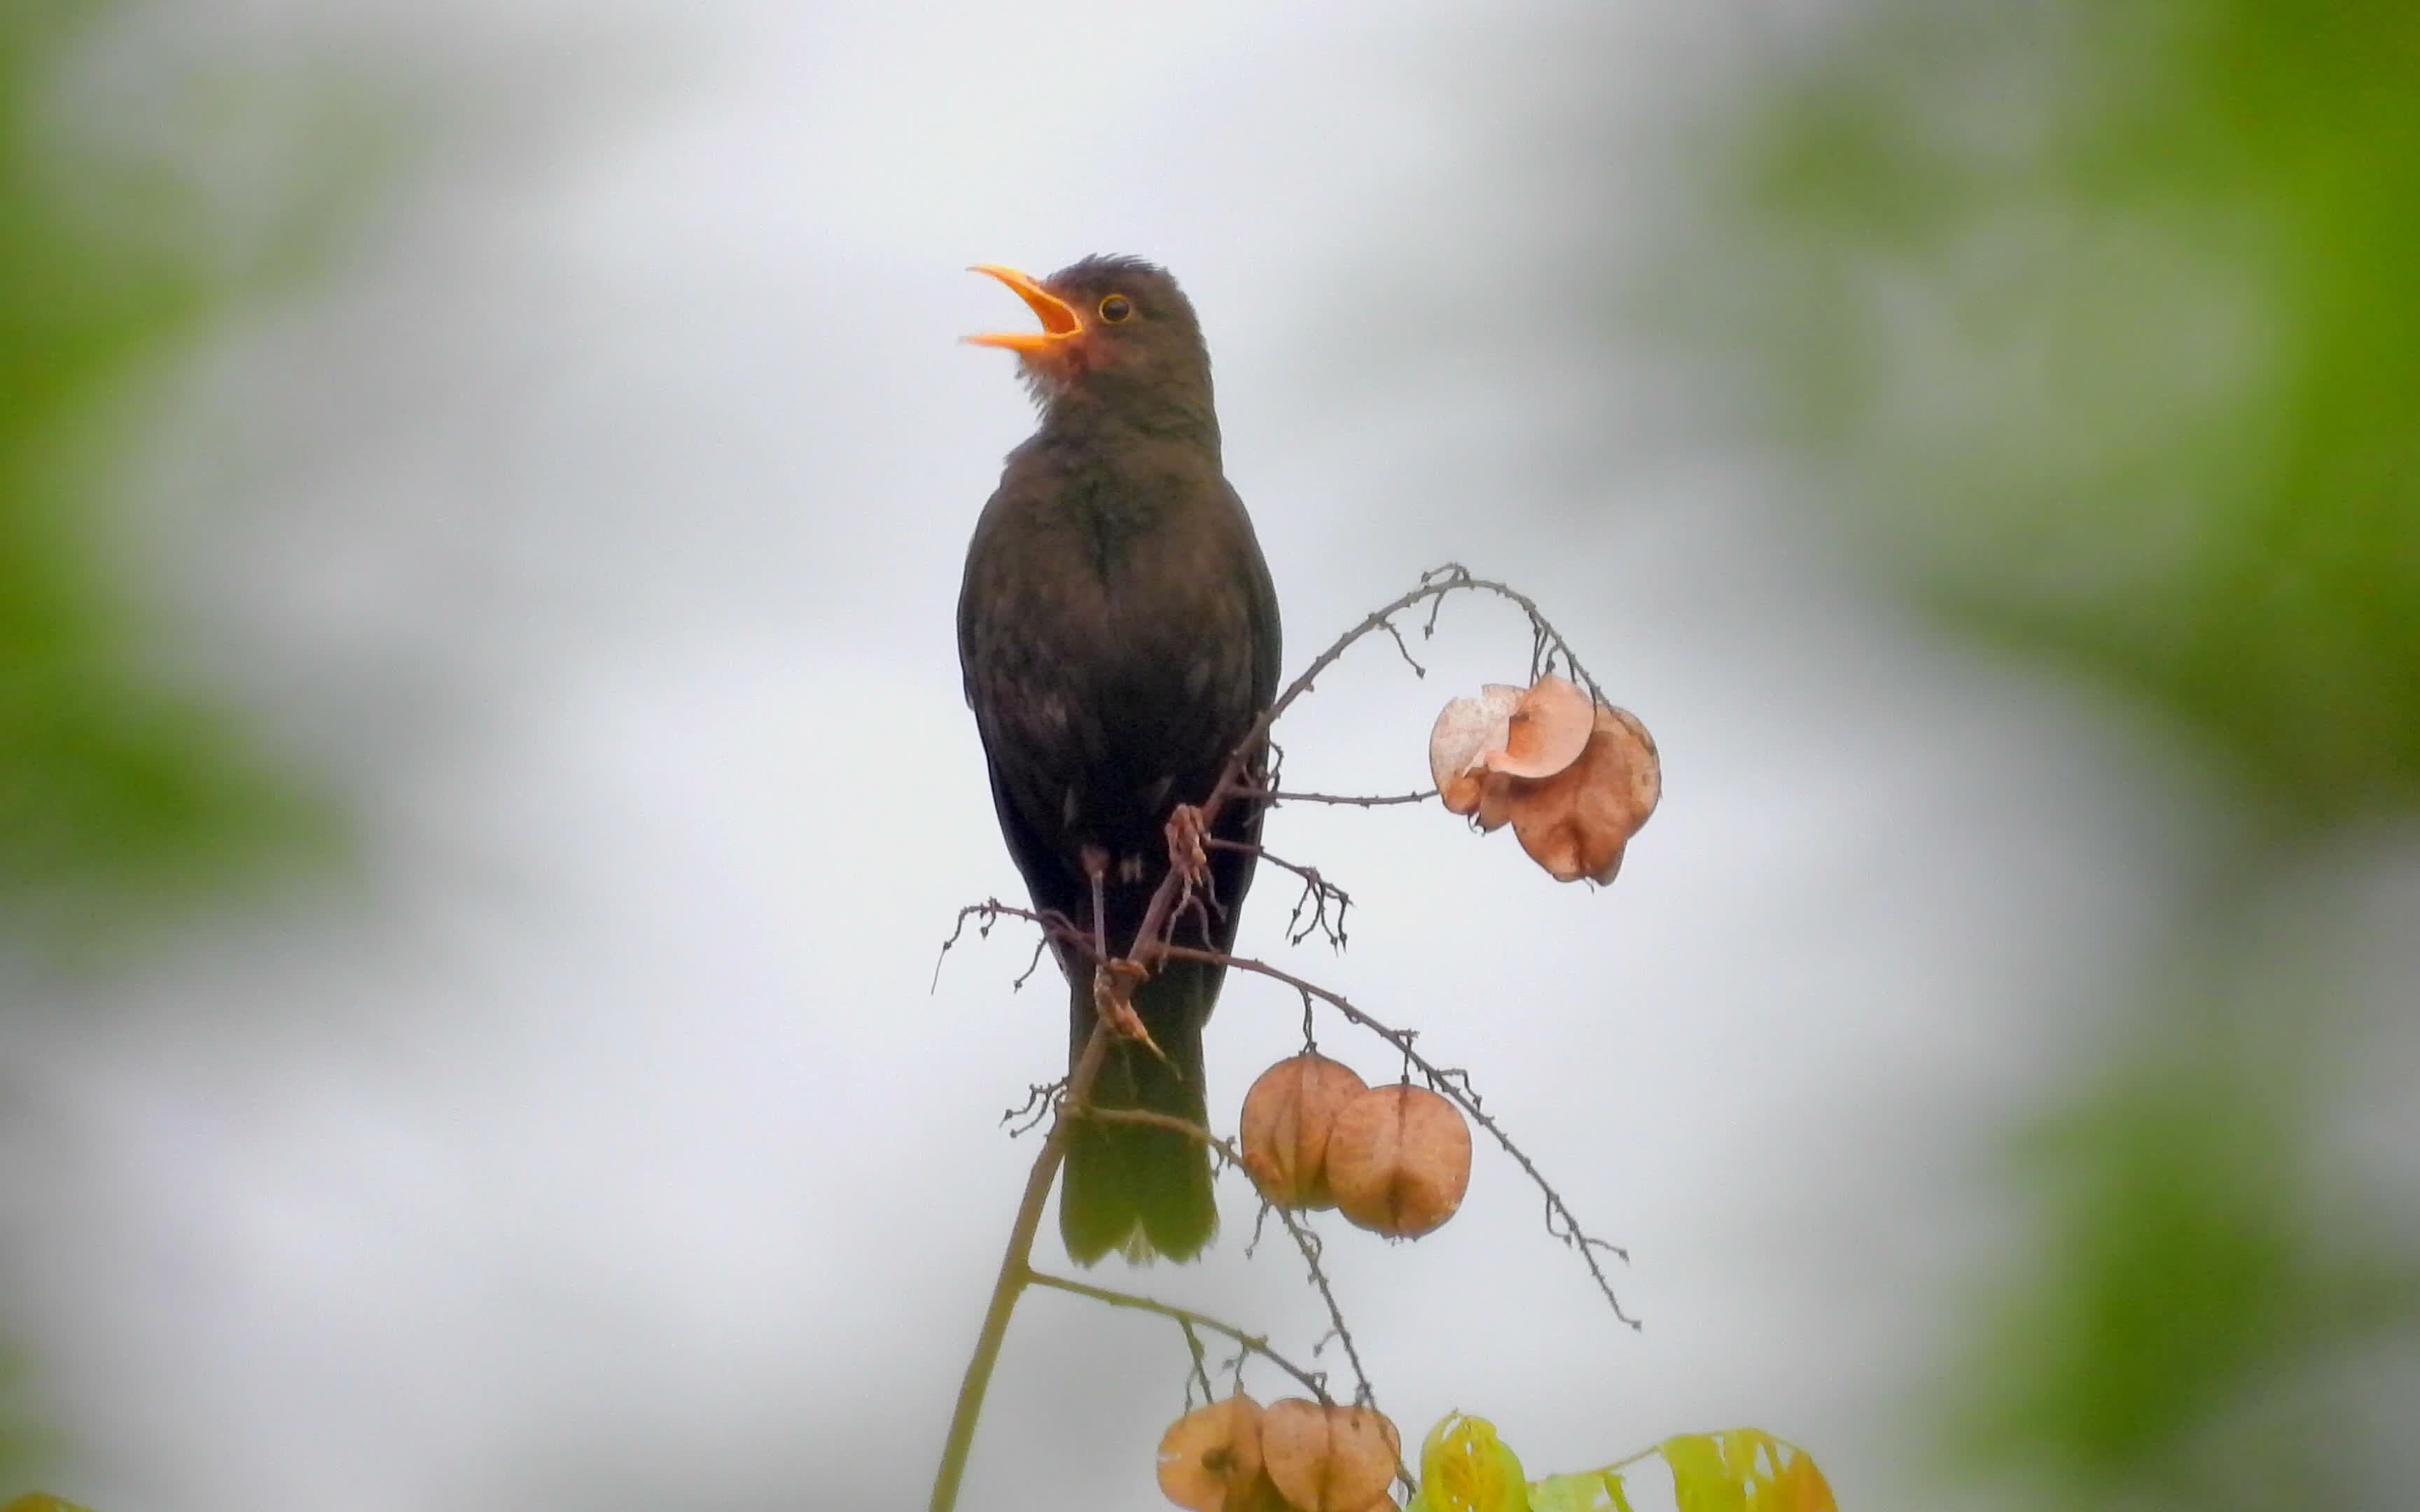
x: 1118, y: 633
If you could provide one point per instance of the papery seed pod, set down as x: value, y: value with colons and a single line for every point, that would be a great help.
x: 1331, y: 1458
x: 1287, y: 1117
x: 1399, y: 1160
x: 1211, y: 1457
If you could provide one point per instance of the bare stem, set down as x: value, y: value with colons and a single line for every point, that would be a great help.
x: 1016, y: 1271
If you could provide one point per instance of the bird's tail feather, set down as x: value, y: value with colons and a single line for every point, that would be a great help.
x: 1141, y: 1189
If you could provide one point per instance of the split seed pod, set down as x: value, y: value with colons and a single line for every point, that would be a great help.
x: 1332, y: 1459
x: 1399, y: 1160
x: 1287, y: 1117
x: 1210, y: 1458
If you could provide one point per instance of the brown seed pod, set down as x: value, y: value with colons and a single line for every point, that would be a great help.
x: 1287, y: 1115
x: 1399, y: 1160
x: 1576, y: 822
x: 1210, y: 1458
x: 1332, y: 1459
x: 1546, y: 732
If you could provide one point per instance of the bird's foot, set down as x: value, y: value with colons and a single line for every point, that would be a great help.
x: 1113, y: 985
x: 1188, y: 856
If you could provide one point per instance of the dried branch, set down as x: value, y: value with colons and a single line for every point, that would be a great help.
x: 1036, y: 1108
x: 1056, y: 928
x: 1354, y: 800
x: 1315, y: 1382
x: 1317, y: 893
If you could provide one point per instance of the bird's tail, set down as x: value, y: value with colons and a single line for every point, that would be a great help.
x: 1142, y: 1190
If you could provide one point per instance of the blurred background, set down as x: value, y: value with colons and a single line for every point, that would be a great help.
x: 483, y: 773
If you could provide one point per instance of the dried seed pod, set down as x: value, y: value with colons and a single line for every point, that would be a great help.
x: 1399, y: 1160
x: 1287, y: 1115
x: 1331, y: 1458
x: 1467, y: 730
x: 1577, y: 823
x: 1210, y: 1458
x: 1546, y: 732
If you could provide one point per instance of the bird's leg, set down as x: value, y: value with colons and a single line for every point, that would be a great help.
x: 1113, y: 976
x: 1096, y: 870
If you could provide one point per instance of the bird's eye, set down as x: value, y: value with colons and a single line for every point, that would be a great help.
x: 1116, y: 308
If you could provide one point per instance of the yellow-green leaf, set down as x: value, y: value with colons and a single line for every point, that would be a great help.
x: 1466, y: 1468
x: 1799, y: 1487
x: 1590, y: 1491
x: 1701, y: 1477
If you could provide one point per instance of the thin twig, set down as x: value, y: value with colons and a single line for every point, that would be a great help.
x: 1055, y: 928
x: 1354, y: 800
x: 1258, y: 1344
x: 1201, y: 1368
x: 1035, y: 1107
x: 1317, y: 893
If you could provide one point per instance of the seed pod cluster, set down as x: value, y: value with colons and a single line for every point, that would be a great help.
x: 1575, y: 779
x: 1394, y: 1158
x: 1296, y: 1457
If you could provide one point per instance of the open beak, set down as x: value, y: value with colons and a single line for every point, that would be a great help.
x: 1059, y: 321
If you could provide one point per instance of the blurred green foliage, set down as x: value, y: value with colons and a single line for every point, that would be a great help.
x: 124, y: 794
x: 121, y: 792
x: 2100, y: 321
x: 2104, y: 312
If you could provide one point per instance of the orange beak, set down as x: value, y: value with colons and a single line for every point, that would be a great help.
x: 1059, y: 322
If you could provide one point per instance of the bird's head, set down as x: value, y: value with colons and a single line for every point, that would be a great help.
x: 1117, y: 337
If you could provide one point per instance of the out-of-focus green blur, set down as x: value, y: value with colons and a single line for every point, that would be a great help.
x: 2097, y: 322
x: 2103, y: 314
x: 126, y: 798
x: 121, y: 791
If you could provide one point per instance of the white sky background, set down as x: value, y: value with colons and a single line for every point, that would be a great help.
x: 605, y: 519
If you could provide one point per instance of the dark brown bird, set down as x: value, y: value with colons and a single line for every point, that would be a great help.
x: 1118, y: 632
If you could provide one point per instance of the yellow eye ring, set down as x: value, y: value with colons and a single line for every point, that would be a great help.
x: 1116, y: 308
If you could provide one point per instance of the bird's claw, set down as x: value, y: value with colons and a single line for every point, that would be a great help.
x: 1113, y: 985
x: 1188, y: 856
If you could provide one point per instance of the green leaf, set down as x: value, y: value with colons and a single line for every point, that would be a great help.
x: 1466, y: 1468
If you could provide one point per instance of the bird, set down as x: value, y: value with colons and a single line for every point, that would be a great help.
x: 1119, y: 639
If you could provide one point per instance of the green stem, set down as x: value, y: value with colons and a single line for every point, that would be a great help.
x: 1016, y: 1272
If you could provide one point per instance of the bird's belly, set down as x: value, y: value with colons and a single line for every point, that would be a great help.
x: 1119, y: 727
